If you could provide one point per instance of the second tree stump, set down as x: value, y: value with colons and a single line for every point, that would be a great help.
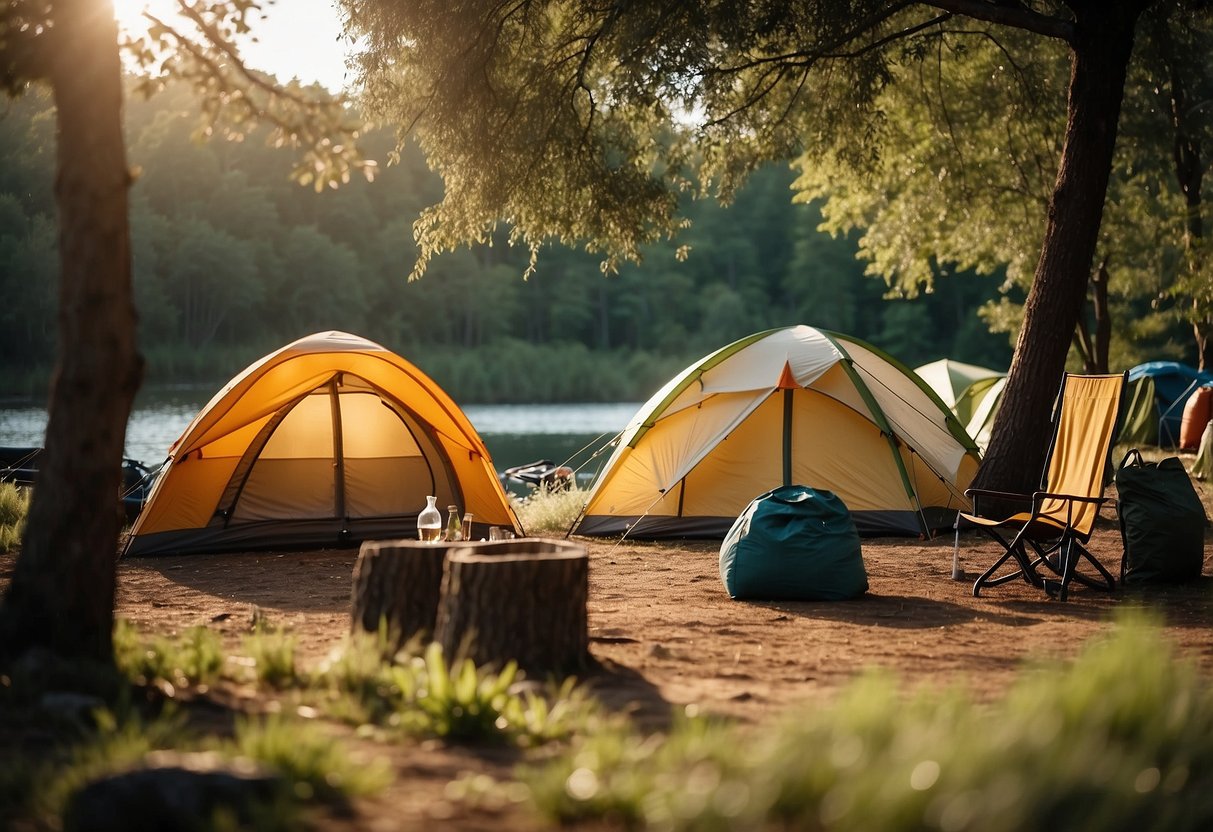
x: 521, y: 600
x: 396, y: 582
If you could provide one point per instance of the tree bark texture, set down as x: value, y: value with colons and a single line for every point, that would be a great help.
x: 521, y: 600
x: 398, y: 582
x: 62, y: 594
x: 1101, y: 46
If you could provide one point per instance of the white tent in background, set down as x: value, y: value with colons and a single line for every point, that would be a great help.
x: 960, y: 386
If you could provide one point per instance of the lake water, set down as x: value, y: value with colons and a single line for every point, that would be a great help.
x: 514, y: 433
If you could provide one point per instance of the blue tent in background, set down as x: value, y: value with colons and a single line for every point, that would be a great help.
x: 1158, y: 391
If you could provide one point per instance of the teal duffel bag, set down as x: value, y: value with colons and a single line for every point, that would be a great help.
x: 793, y: 544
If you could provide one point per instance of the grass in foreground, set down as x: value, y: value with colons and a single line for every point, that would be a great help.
x: 1120, y: 739
x: 424, y: 695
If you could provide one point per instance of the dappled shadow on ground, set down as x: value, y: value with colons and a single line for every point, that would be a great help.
x: 624, y: 690
x: 317, y: 581
x: 899, y: 611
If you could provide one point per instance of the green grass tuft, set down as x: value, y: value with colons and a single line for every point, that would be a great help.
x: 272, y: 652
x: 423, y: 695
x: 316, y: 766
x: 195, y: 657
x: 120, y: 740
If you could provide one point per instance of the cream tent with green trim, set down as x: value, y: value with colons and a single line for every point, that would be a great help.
x: 328, y: 441
x: 796, y: 405
x: 960, y: 386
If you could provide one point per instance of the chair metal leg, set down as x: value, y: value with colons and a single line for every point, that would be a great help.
x: 1014, y: 549
x: 986, y: 578
x: 1071, y: 552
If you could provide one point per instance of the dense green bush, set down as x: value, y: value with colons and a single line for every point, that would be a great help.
x: 1119, y: 739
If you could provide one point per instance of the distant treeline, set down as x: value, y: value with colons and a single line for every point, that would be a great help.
x: 232, y: 260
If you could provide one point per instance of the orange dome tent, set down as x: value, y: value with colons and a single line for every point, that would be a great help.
x: 328, y: 441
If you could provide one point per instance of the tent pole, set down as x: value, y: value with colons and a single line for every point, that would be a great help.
x: 787, y: 436
x: 338, y: 452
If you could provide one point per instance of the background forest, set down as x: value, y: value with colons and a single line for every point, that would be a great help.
x: 232, y: 260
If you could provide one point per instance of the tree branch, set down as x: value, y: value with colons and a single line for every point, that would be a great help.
x: 1018, y: 16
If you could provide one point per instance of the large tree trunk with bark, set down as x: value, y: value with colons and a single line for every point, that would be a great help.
x: 62, y: 594
x: 1187, y: 152
x: 1102, y: 43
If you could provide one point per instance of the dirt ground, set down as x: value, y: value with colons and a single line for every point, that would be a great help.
x: 665, y: 634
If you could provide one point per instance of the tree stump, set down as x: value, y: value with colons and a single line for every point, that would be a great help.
x: 398, y: 582
x: 521, y: 600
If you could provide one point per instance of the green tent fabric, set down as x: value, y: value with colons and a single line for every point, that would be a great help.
x: 973, y: 395
x: 959, y: 386
x: 793, y: 544
x: 1140, y: 420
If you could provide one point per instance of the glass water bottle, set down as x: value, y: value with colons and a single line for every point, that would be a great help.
x: 429, y: 522
x: 454, y: 531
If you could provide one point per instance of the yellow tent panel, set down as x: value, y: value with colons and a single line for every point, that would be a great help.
x: 795, y: 405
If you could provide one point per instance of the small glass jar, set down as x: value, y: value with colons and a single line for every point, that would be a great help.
x: 467, y: 526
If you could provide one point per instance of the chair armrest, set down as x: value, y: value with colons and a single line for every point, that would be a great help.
x: 1041, y: 496
x: 1003, y: 495
x: 1038, y: 501
x: 1007, y: 496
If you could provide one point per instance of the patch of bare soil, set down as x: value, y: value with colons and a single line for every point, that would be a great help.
x: 665, y: 634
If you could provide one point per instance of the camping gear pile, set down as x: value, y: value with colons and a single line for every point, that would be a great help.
x: 1158, y: 393
x: 19, y: 465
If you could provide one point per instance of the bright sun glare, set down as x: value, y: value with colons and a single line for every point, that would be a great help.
x: 129, y: 13
x: 298, y: 38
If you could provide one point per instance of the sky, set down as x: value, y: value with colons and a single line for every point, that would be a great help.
x: 296, y: 38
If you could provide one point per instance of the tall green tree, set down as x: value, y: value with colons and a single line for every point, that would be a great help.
x: 582, y: 122
x: 62, y: 594
x: 966, y: 171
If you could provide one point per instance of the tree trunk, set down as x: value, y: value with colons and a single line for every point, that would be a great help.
x: 398, y: 582
x: 1102, y: 44
x: 62, y: 594
x: 521, y: 600
x: 1187, y: 153
x: 1103, y: 317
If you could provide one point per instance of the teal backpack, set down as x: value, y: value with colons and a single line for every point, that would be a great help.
x: 793, y: 544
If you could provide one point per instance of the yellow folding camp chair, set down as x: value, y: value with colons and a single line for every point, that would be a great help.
x: 1058, y: 519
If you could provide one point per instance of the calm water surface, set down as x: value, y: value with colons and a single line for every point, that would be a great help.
x: 514, y: 433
